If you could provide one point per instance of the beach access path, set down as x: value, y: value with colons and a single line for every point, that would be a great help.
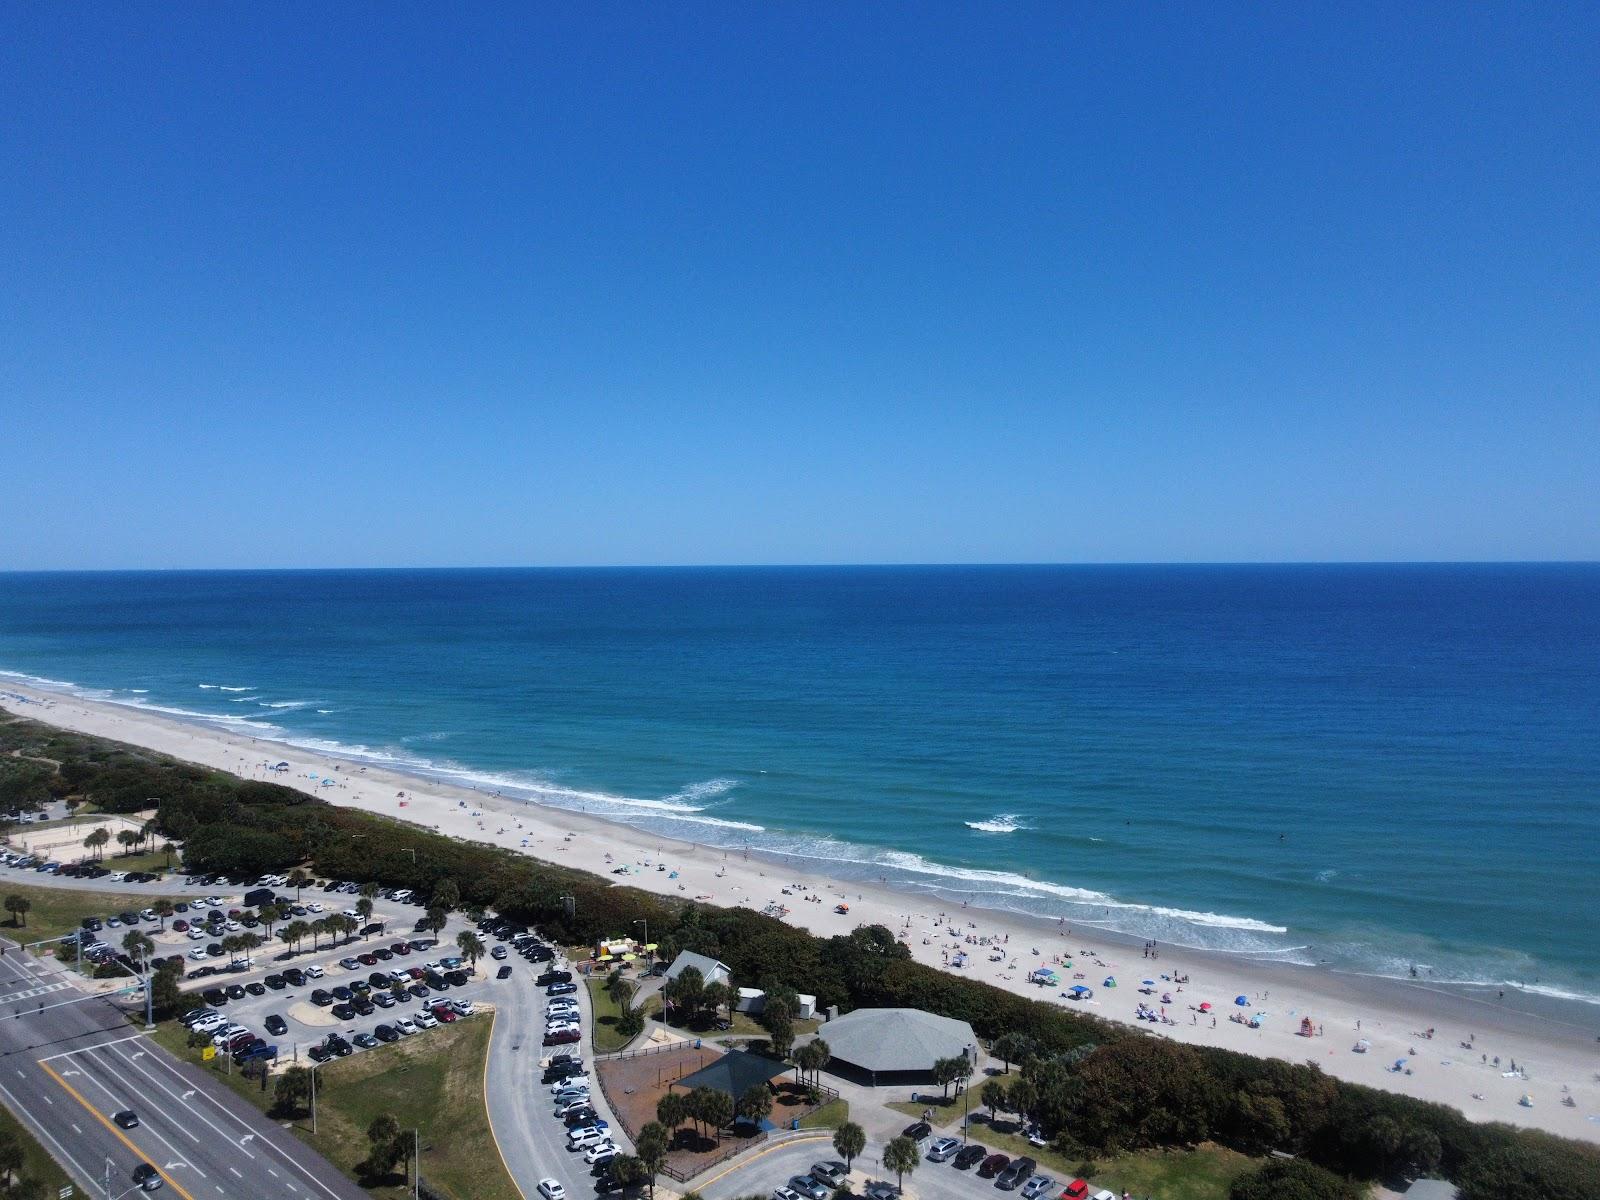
x: 1556, y: 1058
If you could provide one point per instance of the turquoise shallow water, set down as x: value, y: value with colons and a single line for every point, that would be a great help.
x: 1374, y: 766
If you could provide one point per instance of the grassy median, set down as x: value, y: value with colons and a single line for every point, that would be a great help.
x: 431, y: 1082
x: 58, y: 911
x: 36, y: 1161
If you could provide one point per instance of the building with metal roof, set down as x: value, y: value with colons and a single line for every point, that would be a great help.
x: 894, y: 1045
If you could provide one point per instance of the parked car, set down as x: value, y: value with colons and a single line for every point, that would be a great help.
x: 1016, y: 1171
x: 809, y: 1187
x: 970, y: 1156
x: 551, y: 1190
x: 944, y: 1148
x: 386, y: 1033
x: 276, y: 1025
x: 1038, y: 1188
x: 832, y: 1172
x: 993, y: 1165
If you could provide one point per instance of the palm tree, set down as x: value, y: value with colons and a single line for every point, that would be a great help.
x: 164, y: 910
x: 900, y: 1156
x: 651, y: 1145
x: 137, y: 945
x: 849, y: 1140
x: 436, y: 918
x: 318, y: 928
x: 671, y: 1111
x: 149, y: 830
x: 298, y: 880
x: 166, y: 849
x: 18, y: 907
x: 267, y: 914
x: 289, y: 934
x: 128, y: 839
x: 471, y: 945
x: 95, y: 840
x: 364, y: 908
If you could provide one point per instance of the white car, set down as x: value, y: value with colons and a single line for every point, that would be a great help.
x: 425, y: 1019
x: 195, y: 935
x: 315, y: 906
x: 404, y: 1025
x: 233, y: 927
x: 551, y: 1190
x: 464, y: 1008
x: 784, y: 1193
x: 598, y: 1154
x: 118, y: 876
x: 582, y: 1139
x: 1102, y: 1194
x: 314, y: 972
x: 570, y: 1085
x: 198, y: 954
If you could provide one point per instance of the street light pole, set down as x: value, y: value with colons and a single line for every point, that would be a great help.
x: 416, y: 1164
x: 646, y: 923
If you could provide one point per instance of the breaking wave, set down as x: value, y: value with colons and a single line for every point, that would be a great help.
x: 1004, y: 823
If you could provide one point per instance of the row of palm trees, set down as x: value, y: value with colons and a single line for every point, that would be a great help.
x: 128, y: 839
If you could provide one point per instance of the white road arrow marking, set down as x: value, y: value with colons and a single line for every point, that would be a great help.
x: 189, y: 1093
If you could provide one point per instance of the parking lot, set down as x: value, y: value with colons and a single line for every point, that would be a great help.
x: 522, y: 1109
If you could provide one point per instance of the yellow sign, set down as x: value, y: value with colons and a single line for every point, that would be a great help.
x: 208, y: 1053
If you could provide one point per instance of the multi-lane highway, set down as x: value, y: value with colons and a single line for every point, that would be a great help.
x: 69, y: 1062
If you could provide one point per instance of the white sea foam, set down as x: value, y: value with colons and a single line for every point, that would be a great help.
x: 140, y: 691
x: 708, y: 790
x: 241, y: 699
x: 1003, y: 823
x: 285, y: 703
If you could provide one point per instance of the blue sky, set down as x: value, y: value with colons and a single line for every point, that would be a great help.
x: 351, y: 285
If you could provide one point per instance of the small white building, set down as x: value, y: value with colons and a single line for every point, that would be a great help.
x: 753, y: 1000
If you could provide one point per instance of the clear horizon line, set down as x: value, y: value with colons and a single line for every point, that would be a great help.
x: 819, y: 565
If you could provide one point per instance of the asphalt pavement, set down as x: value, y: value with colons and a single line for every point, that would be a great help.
x: 69, y: 1061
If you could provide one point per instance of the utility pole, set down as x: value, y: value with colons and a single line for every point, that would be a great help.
x: 313, y: 1099
x: 645, y: 922
x: 416, y: 1164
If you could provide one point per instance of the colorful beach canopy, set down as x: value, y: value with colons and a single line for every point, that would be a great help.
x: 1205, y: 1006
x: 1242, y: 1001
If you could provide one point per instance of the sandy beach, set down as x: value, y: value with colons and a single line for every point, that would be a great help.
x: 1483, y: 1056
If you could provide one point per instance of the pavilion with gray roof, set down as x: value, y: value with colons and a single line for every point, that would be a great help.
x: 894, y: 1045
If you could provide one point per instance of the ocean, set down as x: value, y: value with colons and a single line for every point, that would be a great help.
x: 1375, y: 767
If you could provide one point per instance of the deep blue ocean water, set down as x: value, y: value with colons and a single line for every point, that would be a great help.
x: 1376, y: 766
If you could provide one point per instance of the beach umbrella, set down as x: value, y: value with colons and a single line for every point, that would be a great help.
x: 1147, y: 983
x: 1242, y: 1001
x: 650, y: 946
x: 1205, y: 1006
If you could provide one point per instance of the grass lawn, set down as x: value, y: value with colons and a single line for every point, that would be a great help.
x: 432, y: 1082
x: 606, y: 1012
x: 744, y: 1025
x: 830, y: 1116
x: 36, y: 1160
x: 1205, y: 1173
x: 945, y: 1112
x: 154, y: 860
x: 59, y: 910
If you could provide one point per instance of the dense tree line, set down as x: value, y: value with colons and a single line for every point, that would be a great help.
x: 1096, y: 1087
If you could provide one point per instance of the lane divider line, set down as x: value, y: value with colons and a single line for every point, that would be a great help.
x: 115, y: 1132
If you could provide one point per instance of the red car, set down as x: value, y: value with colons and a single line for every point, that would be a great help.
x: 370, y: 960
x: 561, y: 1036
x: 400, y: 948
x: 445, y: 1013
x: 180, y: 926
x: 1076, y: 1190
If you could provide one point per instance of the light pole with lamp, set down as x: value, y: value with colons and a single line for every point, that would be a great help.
x: 646, y: 943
